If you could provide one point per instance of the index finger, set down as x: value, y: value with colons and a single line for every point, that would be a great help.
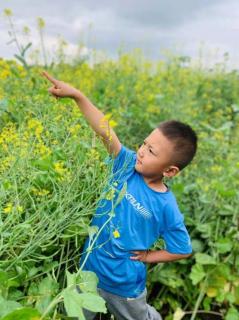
x: 50, y: 78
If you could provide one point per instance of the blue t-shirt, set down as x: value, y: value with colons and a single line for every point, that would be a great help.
x: 142, y: 216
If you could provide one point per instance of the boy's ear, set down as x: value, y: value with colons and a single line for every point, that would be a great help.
x: 171, y: 171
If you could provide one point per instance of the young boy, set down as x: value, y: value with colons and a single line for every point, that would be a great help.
x: 147, y: 211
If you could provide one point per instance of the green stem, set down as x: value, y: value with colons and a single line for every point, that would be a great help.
x: 199, y: 300
x: 15, y: 35
x: 204, y: 311
x: 43, y: 48
x: 54, y: 302
x: 92, y: 244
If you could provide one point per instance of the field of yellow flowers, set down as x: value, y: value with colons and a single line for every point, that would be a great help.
x: 53, y: 171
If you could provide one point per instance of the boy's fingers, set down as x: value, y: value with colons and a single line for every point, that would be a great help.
x: 50, y: 78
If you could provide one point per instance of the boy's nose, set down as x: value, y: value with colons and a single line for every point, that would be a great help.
x: 141, y: 154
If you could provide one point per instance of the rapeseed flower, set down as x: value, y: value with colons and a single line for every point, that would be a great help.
x: 8, y: 208
x: 116, y: 234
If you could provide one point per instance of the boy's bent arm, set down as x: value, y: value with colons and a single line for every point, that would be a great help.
x: 158, y: 256
x: 164, y: 256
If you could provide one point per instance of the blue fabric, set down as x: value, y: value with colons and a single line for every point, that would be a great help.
x: 141, y: 217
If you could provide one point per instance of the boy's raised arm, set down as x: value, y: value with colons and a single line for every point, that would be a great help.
x: 93, y: 115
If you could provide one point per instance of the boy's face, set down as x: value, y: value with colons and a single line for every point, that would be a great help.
x: 154, y: 157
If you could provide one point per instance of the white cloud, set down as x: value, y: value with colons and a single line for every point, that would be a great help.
x: 150, y: 25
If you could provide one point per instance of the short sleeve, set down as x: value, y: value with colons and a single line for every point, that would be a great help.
x: 123, y: 164
x: 175, y: 234
x: 177, y: 239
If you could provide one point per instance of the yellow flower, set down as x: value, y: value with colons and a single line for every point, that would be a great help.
x: 107, y: 123
x: 110, y: 194
x: 8, y: 12
x: 121, y: 88
x: 42, y: 192
x: 211, y: 292
x: 42, y: 149
x: 206, y: 187
x: 116, y: 234
x: 93, y: 154
x: 8, y: 208
x: 20, y: 209
x: 216, y: 169
x: 112, y: 123
x: 40, y: 23
x: 59, y: 167
x: 74, y: 129
x: 37, y: 125
x: 58, y: 117
x: 4, y: 74
x: 115, y: 183
x: 153, y: 109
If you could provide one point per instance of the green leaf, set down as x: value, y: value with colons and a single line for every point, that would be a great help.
x: 73, y: 304
x: 168, y: 276
x: 22, y: 60
x: 224, y: 245
x: 232, y: 314
x: 207, y: 303
x: 71, y: 279
x: 15, y: 294
x: 23, y: 314
x: 3, y: 283
x: 203, y: 258
x: 47, y: 289
x: 92, y: 230
x: 49, y: 266
x: 26, y: 48
x: 93, y: 302
x: 88, y: 281
x: 3, y: 105
x: 121, y: 194
x: 197, y: 245
x: 224, y: 270
x: 33, y: 271
x: 205, y: 229
x: 178, y: 188
x: 197, y: 273
x: 226, y: 210
x: 45, y: 164
x: 229, y: 296
x: 7, y: 306
x: 236, y: 294
x: 178, y: 314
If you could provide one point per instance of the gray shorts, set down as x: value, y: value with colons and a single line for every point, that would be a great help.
x: 126, y: 308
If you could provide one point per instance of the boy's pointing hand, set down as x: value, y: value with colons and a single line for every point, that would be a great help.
x: 60, y: 88
x: 140, y: 255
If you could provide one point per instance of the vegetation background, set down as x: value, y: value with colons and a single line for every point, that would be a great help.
x: 53, y: 170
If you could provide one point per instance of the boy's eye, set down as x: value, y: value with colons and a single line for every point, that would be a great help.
x: 150, y: 150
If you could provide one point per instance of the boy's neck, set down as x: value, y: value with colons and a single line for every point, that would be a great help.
x: 155, y: 183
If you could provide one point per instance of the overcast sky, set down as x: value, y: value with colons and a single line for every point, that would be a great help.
x: 153, y: 25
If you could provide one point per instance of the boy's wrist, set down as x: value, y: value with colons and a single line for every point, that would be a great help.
x: 77, y: 96
x: 147, y: 258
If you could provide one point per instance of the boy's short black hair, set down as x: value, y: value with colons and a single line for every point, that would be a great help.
x: 184, y: 139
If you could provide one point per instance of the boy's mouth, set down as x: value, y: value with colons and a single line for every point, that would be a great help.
x: 138, y: 161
